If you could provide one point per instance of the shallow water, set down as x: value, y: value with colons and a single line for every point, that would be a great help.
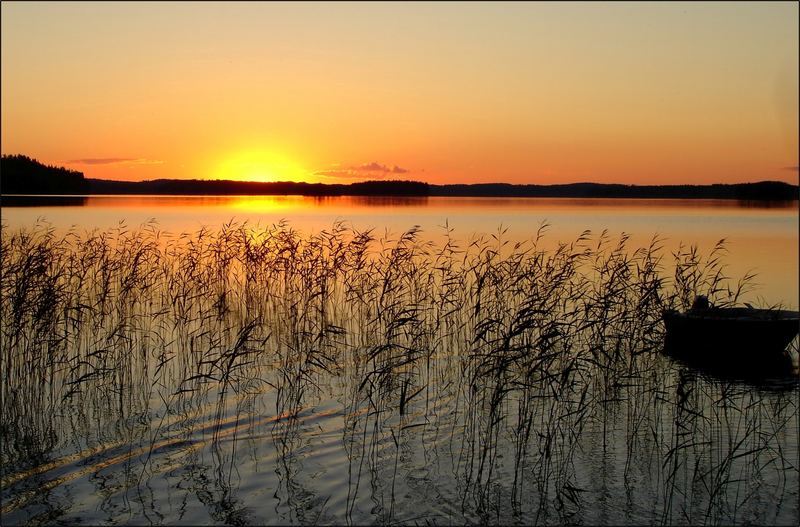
x: 173, y: 385
x: 632, y: 463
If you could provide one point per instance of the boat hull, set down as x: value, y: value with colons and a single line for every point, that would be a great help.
x: 736, y: 338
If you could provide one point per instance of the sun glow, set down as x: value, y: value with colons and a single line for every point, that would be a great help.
x: 261, y: 165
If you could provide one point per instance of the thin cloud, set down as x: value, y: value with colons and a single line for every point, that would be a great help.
x: 114, y: 161
x: 339, y: 174
x: 377, y: 167
x: 372, y: 170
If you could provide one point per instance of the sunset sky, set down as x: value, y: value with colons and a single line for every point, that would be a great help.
x: 438, y: 92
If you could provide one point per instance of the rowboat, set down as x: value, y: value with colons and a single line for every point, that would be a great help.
x: 738, y: 336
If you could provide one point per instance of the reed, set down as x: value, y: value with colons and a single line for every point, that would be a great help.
x: 497, y: 359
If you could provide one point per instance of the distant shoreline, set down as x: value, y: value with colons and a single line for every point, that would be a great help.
x: 765, y: 190
x: 21, y: 175
x: 758, y: 191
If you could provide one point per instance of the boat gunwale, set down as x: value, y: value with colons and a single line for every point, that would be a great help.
x: 735, y: 314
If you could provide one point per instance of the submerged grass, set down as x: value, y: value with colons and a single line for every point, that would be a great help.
x: 507, y: 353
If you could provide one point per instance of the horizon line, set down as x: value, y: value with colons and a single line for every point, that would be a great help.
x: 419, y: 182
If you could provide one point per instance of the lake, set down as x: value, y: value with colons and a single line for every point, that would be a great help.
x: 264, y: 371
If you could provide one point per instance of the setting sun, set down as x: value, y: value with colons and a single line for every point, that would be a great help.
x: 261, y: 165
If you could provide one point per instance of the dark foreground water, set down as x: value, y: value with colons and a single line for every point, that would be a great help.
x: 683, y: 450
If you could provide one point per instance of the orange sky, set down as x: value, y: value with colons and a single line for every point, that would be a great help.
x: 445, y: 92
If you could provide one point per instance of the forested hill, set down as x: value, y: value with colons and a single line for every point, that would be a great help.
x: 22, y: 175
x: 763, y: 190
x: 252, y: 188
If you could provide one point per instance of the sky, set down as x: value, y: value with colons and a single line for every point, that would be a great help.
x: 634, y: 93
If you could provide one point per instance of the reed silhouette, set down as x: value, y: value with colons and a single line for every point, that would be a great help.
x: 464, y: 381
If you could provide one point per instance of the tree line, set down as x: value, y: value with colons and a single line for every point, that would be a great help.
x: 20, y: 174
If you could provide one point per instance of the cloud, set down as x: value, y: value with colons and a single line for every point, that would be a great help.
x: 377, y: 167
x: 366, y: 170
x: 338, y: 174
x: 114, y: 161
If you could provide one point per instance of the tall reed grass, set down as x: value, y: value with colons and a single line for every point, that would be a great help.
x: 508, y: 353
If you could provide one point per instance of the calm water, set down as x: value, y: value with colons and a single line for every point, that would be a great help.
x: 264, y: 376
